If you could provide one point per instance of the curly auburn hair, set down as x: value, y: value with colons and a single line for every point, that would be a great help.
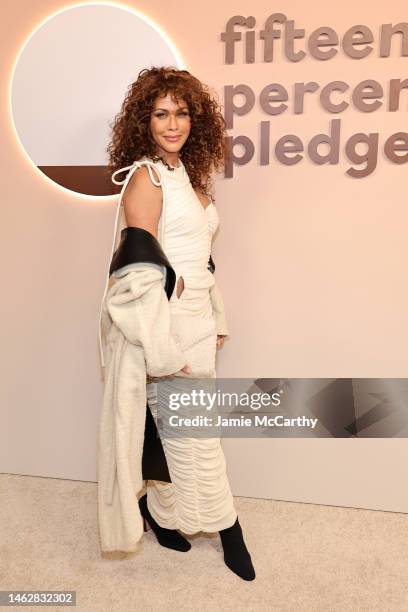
x: 205, y: 148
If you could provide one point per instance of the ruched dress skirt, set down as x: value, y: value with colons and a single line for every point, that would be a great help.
x: 199, y: 497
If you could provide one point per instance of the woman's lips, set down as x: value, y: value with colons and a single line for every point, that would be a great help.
x: 172, y: 138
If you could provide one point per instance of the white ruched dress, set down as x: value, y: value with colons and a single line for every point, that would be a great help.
x: 199, y: 497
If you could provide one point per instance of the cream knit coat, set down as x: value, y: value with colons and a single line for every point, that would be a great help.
x: 137, y: 338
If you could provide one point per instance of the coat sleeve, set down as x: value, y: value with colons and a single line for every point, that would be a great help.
x: 219, y: 310
x: 138, y: 305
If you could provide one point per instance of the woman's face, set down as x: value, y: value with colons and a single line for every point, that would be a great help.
x: 170, y: 124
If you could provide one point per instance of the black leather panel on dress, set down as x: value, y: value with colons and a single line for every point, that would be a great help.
x: 154, y: 464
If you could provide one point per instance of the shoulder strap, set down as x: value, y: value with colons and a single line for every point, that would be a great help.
x: 156, y: 181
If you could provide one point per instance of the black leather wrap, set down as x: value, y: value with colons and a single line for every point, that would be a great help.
x: 138, y: 245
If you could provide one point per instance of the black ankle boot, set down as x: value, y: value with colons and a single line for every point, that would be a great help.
x: 236, y: 555
x: 170, y: 538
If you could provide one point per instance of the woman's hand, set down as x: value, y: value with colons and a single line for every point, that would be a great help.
x: 220, y: 340
x: 149, y: 379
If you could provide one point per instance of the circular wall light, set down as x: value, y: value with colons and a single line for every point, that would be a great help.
x: 68, y: 83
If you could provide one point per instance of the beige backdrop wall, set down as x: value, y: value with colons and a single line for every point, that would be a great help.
x: 310, y: 262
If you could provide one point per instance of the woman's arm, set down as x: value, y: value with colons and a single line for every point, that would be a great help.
x: 142, y: 202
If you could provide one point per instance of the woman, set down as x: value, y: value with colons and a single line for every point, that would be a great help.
x: 171, y: 132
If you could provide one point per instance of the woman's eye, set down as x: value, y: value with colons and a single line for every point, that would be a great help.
x: 160, y: 115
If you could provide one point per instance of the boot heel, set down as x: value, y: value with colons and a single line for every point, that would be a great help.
x: 169, y: 538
